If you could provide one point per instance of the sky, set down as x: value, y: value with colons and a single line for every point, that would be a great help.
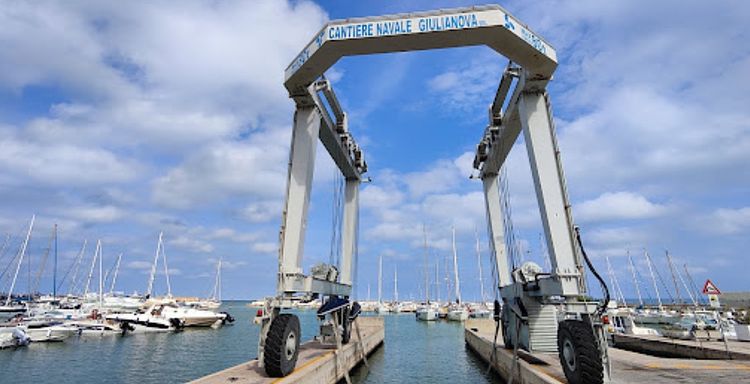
x: 122, y: 120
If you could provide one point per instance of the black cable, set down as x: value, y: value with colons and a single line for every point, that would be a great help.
x: 603, y: 307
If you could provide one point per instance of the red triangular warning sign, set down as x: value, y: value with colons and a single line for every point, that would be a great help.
x: 710, y: 288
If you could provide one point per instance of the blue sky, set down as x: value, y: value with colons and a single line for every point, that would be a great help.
x: 118, y: 121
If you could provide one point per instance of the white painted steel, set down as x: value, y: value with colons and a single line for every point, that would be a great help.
x: 349, y: 231
x: 550, y: 190
x: 496, y: 228
x: 301, y: 166
x: 486, y: 25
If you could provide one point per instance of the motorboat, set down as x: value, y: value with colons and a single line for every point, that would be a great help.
x: 621, y: 321
x: 154, y: 319
x: 194, y: 317
x: 11, y: 337
x: 52, y: 331
x: 97, y: 328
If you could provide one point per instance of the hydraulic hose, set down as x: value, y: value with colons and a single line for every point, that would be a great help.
x: 601, y: 308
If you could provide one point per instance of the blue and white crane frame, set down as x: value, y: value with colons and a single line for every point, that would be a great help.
x: 532, y: 299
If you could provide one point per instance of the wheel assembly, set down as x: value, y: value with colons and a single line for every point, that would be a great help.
x: 282, y: 345
x: 579, y: 353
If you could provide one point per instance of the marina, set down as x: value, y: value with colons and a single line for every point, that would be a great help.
x: 186, y: 123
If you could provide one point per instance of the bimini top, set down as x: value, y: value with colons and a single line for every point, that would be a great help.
x: 487, y: 25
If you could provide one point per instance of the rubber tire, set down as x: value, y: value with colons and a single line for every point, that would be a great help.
x: 587, y: 368
x: 274, y: 352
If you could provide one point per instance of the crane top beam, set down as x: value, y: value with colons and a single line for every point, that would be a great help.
x: 489, y: 25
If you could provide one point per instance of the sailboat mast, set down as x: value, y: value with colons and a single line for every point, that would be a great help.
x: 455, y: 266
x: 216, y: 295
x: 674, y: 277
x: 166, y: 270
x: 395, y: 284
x: 54, y: 273
x: 73, y: 286
x: 437, y: 281
x: 114, y: 276
x: 687, y: 289
x: 653, y: 278
x: 692, y: 284
x: 614, y: 282
x: 635, y: 280
x: 91, y: 270
x: 20, y: 260
x: 149, y: 290
x: 101, y: 276
x: 426, y: 266
x: 380, y: 280
x: 479, y: 262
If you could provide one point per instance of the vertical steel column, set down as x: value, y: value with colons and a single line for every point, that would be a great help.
x: 349, y: 231
x: 550, y: 190
x: 299, y: 185
x: 496, y: 228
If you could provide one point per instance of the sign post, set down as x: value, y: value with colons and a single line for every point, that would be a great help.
x: 713, y: 293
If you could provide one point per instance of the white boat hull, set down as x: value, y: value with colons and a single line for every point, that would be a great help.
x: 458, y: 315
x: 50, y: 334
x: 427, y: 315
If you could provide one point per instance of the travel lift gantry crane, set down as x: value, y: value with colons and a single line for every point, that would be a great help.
x: 542, y: 312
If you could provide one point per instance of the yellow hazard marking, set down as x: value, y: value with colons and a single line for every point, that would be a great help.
x: 700, y: 367
x: 303, y: 366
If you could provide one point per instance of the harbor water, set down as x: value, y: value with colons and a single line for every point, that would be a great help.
x: 413, y: 351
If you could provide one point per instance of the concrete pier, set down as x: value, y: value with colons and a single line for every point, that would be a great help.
x: 627, y: 366
x: 693, y: 349
x: 316, y: 363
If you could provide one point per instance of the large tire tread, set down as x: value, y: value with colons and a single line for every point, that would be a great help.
x: 588, y: 357
x: 274, y: 358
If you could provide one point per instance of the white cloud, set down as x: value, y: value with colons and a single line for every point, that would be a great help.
x: 161, y: 78
x: 191, y: 244
x: 374, y: 196
x: 469, y: 85
x: 233, y: 235
x: 618, y: 206
x: 61, y: 164
x: 728, y: 221
x: 262, y: 211
x: 140, y: 265
x: 265, y: 247
x: 441, y: 176
x: 90, y: 214
x: 255, y: 168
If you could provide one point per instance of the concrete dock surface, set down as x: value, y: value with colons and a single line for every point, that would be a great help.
x: 317, y: 363
x: 695, y: 349
x: 627, y: 366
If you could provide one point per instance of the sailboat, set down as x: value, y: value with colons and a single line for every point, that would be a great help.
x: 380, y: 308
x: 214, y: 300
x: 457, y: 312
x: 480, y: 311
x: 9, y: 307
x: 426, y: 312
x: 660, y: 316
x: 395, y: 305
